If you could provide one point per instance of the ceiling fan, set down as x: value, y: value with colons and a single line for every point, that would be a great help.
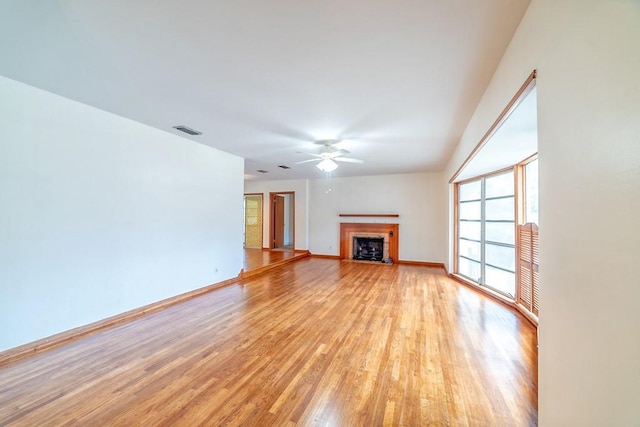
x: 329, y: 155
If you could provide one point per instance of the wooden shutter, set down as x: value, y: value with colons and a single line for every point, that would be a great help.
x: 528, y: 278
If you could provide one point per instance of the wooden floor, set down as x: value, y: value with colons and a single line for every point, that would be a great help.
x: 259, y: 261
x: 257, y: 258
x: 316, y: 342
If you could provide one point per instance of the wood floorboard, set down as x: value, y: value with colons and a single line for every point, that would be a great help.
x: 314, y: 343
x: 259, y: 261
x: 256, y: 258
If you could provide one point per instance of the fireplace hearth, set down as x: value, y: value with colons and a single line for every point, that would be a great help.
x: 368, y: 248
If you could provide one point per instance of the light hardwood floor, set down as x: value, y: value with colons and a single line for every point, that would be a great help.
x: 257, y: 261
x: 256, y: 258
x: 315, y: 342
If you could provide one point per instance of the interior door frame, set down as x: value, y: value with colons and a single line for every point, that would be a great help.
x: 272, y: 218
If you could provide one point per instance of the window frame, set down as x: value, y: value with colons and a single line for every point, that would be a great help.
x: 521, y: 219
x: 519, y: 200
x: 481, y: 281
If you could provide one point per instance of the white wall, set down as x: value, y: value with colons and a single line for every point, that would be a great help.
x: 100, y: 214
x: 418, y: 198
x: 588, y: 60
x: 288, y: 219
x: 299, y: 186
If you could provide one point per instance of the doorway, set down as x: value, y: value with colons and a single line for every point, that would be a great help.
x: 282, y: 220
x: 253, y: 220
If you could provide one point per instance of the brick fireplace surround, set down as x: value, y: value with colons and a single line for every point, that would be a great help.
x: 349, y: 229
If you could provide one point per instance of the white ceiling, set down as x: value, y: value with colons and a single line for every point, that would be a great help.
x: 397, y: 81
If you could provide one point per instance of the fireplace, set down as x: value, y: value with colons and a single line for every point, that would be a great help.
x: 368, y: 248
x: 371, y: 248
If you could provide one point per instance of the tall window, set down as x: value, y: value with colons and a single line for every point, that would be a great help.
x: 531, y: 191
x: 528, y: 287
x: 486, y: 232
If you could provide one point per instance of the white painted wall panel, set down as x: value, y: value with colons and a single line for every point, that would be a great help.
x: 418, y: 198
x: 100, y: 214
x: 586, y: 53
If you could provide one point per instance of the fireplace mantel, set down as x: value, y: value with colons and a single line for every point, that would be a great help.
x: 364, y: 215
x: 347, y: 228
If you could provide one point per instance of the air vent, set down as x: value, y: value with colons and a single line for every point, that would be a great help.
x: 187, y: 130
x: 262, y: 171
x: 284, y: 167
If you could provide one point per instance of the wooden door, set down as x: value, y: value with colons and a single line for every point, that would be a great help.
x: 278, y: 221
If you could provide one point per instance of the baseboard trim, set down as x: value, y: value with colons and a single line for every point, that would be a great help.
x: 23, y: 351
x: 325, y: 256
x: 530, y: 316
x: 423, y: 264
x: 402, y: 261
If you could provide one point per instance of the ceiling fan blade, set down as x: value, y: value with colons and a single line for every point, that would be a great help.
x: 311, y: 154
x: 340, y: 152
x: 306, y: 161
x: 348, y: 160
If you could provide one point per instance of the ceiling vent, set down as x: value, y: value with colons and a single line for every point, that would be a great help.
x: 284, y: 167
x: 187, y: 130
x: 262, y: 171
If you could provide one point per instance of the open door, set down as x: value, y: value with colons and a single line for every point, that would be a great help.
x: 278, y: 221
x: 281, y: 221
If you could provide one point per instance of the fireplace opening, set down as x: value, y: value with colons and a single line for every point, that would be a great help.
x: 368, y: 248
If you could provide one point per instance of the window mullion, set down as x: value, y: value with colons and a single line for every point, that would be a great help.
x: 481, y: 279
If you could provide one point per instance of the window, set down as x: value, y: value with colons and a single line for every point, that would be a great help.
x: 531, y: 191
x: 470, y: 230
x: 486, y: 231
x: 528, y: 288
x: 496, y: 206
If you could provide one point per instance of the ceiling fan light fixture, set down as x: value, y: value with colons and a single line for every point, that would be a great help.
x: 327, y: 165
